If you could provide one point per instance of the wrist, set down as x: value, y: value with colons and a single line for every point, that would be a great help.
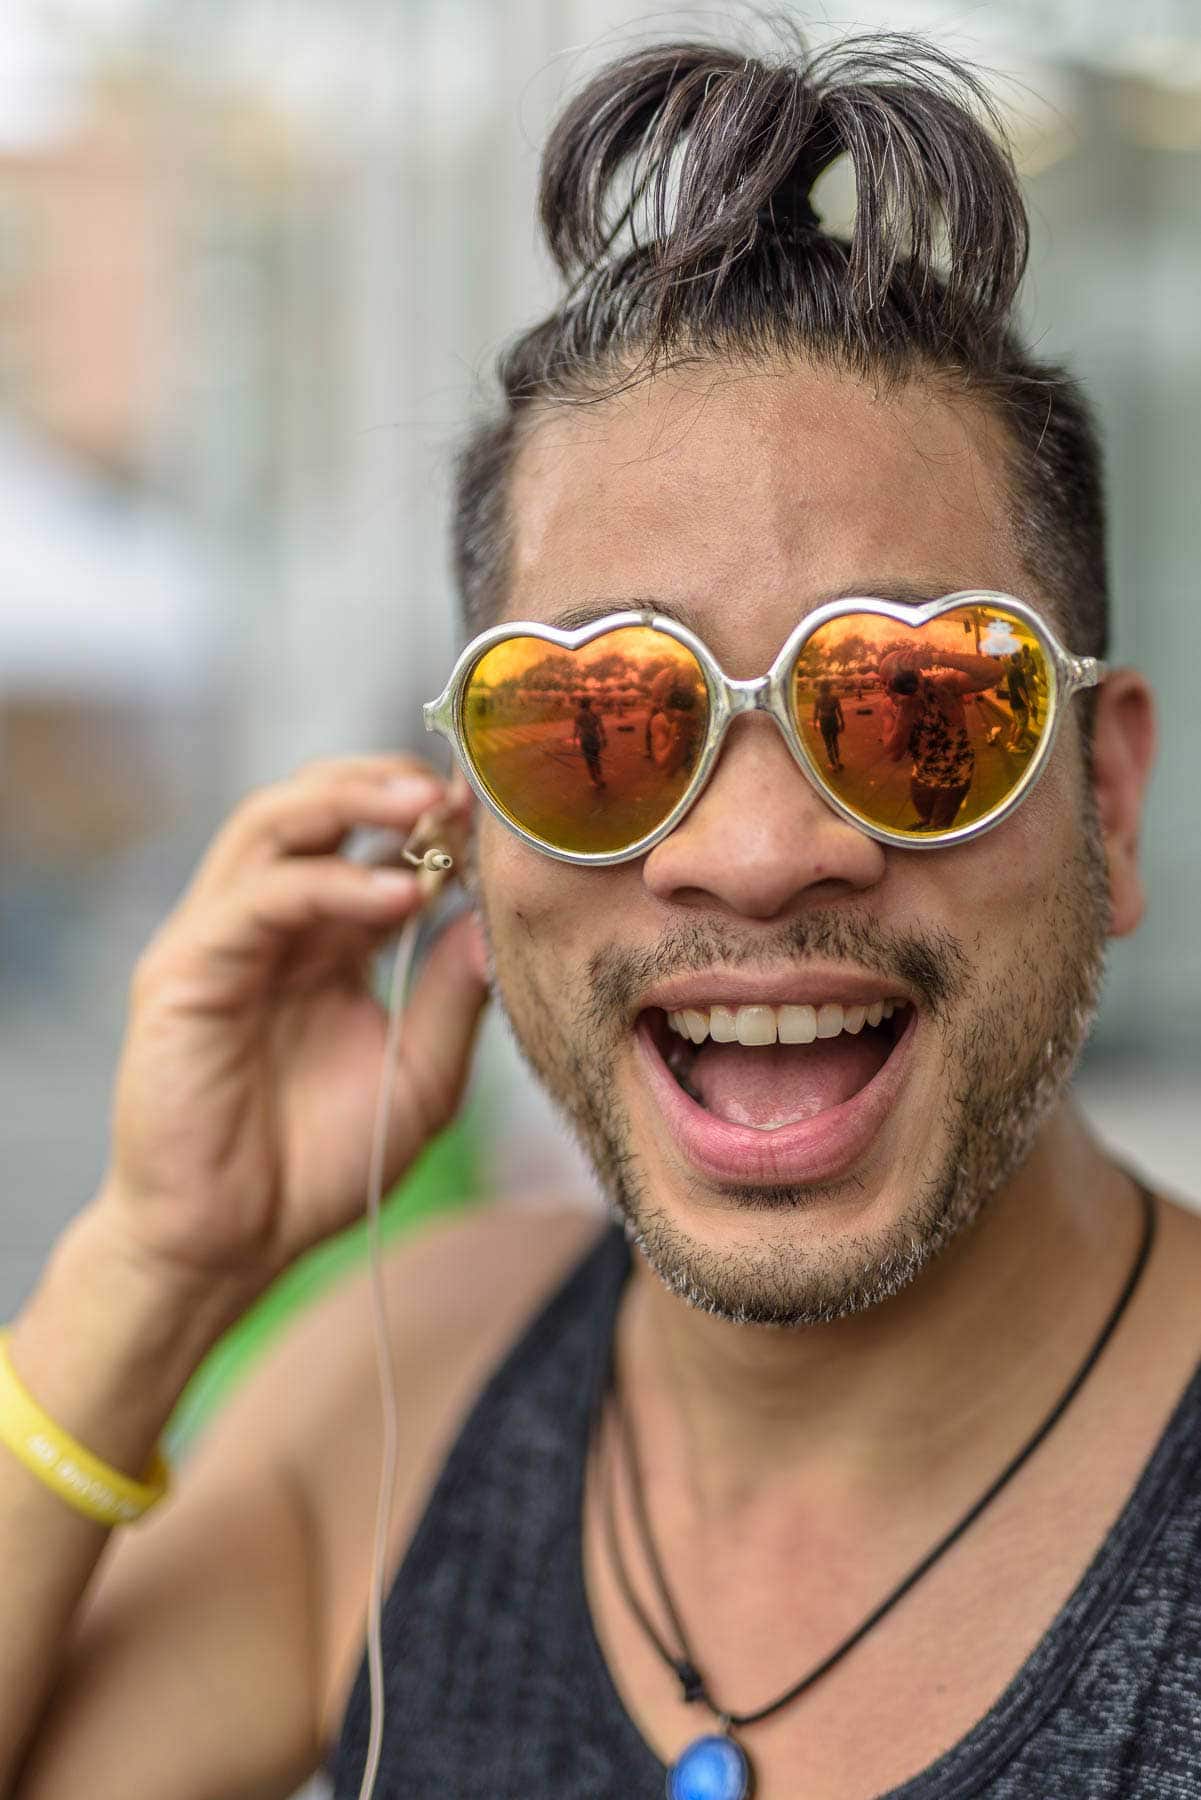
x: 109, y: 1339
x: 206, y: 1293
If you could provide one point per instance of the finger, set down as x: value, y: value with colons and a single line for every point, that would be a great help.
x: 242, y: 935
x: 439, y: 1029
x: 298, y: 817
x: 378, y: 767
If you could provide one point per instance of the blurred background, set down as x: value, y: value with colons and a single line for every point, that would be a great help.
x: 256, y: 259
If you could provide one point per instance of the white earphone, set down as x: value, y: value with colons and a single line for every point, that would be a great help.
x: 435, y: 863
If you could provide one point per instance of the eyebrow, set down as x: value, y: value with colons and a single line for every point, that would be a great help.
x: 901, y: 593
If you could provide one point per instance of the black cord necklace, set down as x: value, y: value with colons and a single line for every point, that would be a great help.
x: 715, y: 1766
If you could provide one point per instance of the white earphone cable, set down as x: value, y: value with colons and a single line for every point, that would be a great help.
x: 383, y: 1513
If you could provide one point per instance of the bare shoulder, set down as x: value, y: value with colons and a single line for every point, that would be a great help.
x: 455, y: 1292
x: 1179, y: 1231
x: 457, y: 1295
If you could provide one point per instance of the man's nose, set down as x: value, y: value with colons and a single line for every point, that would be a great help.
x: 760, y: 836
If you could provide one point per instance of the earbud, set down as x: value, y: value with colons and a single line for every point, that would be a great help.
x: 437, y: 862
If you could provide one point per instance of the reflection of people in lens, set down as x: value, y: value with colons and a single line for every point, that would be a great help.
x: 1030, y: 664
x: 589, y: 733
x: 931, y: 726
x: 827, y: 716
x: 673, y: 726
x: 1021, y: 700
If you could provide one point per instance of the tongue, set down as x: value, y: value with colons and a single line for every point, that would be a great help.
x: 779, y: 1084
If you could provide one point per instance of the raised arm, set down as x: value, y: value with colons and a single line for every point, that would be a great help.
x: 896, y: 743
x: 228, y: 1162
x: 966, y: 674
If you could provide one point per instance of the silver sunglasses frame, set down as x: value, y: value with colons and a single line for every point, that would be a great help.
x: 730, y: 698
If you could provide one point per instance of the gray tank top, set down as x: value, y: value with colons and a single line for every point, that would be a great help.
x: 496, y: 1685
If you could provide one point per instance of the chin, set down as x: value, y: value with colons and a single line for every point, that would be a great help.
x: 836, y: 1218
x: 778, y: 1275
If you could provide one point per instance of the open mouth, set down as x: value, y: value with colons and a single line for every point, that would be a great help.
x: 769, y: 1066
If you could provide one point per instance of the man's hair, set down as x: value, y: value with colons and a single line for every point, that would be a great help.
x: 675, y: 202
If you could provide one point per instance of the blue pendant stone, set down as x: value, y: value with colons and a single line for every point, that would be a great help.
x: 712, y: 1768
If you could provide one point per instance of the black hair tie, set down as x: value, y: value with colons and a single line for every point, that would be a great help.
x: 797, y: 217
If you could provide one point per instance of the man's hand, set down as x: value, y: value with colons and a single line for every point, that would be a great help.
x: 247, y: 1085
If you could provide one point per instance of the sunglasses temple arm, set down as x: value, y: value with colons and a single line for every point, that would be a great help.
x: 1085, y: 672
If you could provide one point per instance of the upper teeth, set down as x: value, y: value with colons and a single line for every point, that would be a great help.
x: 769, y: 1024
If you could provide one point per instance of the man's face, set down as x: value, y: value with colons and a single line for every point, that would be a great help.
x: 789, y: 1184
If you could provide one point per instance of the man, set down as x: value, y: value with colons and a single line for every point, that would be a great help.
x: 589, y: 733
x: 1030, y: 669
x: 828, y: 719
x: 892, y: 1320
x: 1019, y: 701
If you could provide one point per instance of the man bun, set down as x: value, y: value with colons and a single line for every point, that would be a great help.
x: 675, y: 162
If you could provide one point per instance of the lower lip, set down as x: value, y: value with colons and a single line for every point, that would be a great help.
x: 817, y: 1149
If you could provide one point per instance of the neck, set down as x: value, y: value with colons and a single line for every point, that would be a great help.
x: 953, y: 1372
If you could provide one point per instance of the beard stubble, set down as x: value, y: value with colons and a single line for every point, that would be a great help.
x: 1008, y: 1042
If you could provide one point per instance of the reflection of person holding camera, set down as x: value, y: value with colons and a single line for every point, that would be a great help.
x: 931, y: 725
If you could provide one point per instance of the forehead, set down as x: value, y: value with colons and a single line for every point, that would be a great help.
x: 742, y: 500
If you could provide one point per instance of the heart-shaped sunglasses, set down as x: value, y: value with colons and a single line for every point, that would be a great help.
x: 921, y: 725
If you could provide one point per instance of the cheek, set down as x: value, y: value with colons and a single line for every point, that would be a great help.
x: 537, y: 909
x: 1009, y: 883
x: 1044, y: 836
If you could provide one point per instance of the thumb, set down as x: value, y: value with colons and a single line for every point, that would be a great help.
x: 440, y: 1023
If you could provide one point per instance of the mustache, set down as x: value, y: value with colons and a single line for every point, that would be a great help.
x: 928, y: 960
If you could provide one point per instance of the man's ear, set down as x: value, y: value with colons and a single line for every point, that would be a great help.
x: 1124, y: 740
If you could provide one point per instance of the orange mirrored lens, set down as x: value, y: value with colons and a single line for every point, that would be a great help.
x: 588, y: 750
x: 925, y: 730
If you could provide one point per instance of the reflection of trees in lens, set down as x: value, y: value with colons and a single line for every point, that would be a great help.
x: 520, y: 678
x: 610, y: 665
x: 553, y: 672
x: 853, y: 650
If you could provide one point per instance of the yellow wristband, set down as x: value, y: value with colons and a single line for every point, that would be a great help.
x: 78, y: 1477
